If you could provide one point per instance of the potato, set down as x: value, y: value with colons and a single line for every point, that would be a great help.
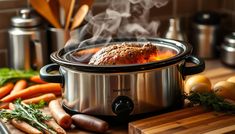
x: 201, y: 88
x: 231, y: 79
x: 225, y: 89
x: 194, y: 80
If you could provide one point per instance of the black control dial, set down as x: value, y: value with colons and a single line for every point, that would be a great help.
x: 122, y: 105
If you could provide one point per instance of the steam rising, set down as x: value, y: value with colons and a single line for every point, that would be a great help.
x: 122, y: 18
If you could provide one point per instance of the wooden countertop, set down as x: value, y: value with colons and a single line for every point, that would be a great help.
x: 215, y: 70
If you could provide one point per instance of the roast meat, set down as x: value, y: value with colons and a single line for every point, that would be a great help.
x: 125, y: 53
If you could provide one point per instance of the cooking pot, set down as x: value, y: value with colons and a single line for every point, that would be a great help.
x: 228, y: 50
x: 117, y: 90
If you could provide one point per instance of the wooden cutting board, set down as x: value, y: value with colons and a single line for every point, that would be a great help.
x: 194, y: 120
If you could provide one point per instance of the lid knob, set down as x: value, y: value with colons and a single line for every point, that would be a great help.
x: 230, y: 40
x: 207, y: 18
x: 25, y: 19
x: 25, y: 13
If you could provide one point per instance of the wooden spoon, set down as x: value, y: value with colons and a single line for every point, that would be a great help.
x: 69, y: 16
x: 79, y: 16
x: 55, y: 8
x: 68, y: 6
x: 43, y: 8
x: 83, y: 8
x: 65, y: 5
x: 85, y: 2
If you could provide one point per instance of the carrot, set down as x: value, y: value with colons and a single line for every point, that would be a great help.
x: 51, y: 123
x: 6, y: 89
x: 21, y: 84
x: 58, y: 113
x: 11, y: 106
x: 46, y: 97
x: 57, y: 93
x: 33, y: 90
x: 25, y: 127
x: 39, y: 94
x: 4, y: 105
x: 37, y: 79
x: 34, y: 99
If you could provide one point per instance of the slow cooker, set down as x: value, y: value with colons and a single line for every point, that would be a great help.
x: 122, y: 90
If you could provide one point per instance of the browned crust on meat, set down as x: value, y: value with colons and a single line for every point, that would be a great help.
x: 125, y: 53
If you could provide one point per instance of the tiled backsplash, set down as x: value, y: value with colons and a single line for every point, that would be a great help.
x: 180, y: 8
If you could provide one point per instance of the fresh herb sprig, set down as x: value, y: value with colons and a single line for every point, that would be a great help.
x: 28, y: 113
x: 41, y: 104
x: 7, y: 74
x: 211, y: 101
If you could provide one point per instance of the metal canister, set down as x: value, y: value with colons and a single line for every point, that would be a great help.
x: 174, y: 30
x: 28, y: 47
x: 205, y: 34
x: 228, y: 50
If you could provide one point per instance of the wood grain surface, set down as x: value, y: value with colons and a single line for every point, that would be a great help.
x: 217, y: 71
x: 196, y: 120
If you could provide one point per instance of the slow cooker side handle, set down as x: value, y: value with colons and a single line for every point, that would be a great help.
x: 190, y: 70
x: 49, y: 77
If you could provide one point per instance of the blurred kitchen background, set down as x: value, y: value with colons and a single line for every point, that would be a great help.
x: 184, y: 9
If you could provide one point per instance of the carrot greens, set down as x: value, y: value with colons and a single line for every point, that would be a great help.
x: 7, y: 74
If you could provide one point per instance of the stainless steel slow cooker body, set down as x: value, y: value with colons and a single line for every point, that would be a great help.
x: 125, y: 89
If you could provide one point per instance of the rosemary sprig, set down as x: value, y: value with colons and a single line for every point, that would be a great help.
x: 41, y: 104
x: 28, y: 113
x: 211, y: 101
